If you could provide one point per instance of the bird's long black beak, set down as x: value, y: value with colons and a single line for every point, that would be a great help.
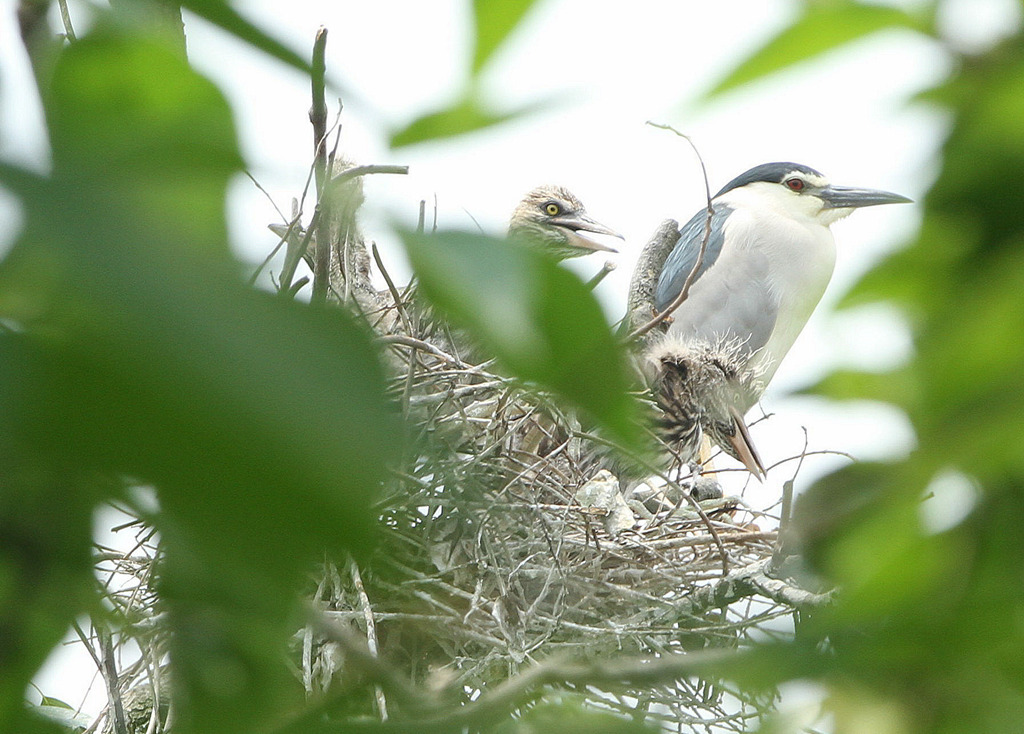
x: 848, y: 197
x: 580, y: 225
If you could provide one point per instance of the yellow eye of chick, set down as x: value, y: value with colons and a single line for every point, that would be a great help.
x: 552, y: 208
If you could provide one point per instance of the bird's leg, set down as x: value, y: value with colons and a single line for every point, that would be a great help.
x: 704, y: 456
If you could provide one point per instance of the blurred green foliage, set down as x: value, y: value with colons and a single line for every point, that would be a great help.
x: 570, y: 714
x: 822, y: 26
x: 536, y: 317
x: 493, y: 22
x: 466, y: 115
x: 132, y: 351
x: 136, y: 351
x: 926, y: 635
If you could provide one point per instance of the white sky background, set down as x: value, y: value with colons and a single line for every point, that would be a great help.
x: 611, y: 66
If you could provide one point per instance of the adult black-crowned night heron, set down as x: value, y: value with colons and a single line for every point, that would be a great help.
x: 768, y: 259
x: 553, y: 219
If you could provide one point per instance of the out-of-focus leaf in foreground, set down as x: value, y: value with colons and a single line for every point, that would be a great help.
x: 967, y: 266
x: 820, y: 27
x: 45, y: 534
x: 570, y: 715
x: 923, y: 620
x: 465, y: 116
x: 261, y: 423
x: 220, y: 13
x: 494, y: 22
x: 471, y: 112
x: 539, y: 319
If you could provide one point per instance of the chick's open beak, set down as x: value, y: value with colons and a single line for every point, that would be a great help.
x: 581, y: 227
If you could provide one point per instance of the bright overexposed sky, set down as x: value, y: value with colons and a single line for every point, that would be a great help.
x: 606, y: 68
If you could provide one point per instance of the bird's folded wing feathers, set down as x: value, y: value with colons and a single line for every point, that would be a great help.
x: 682, y: 259
x: 730, y: 301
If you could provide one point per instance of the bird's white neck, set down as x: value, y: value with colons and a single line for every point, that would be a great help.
x: 792, y: 233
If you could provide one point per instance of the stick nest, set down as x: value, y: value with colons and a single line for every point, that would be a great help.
x: 505, y: 545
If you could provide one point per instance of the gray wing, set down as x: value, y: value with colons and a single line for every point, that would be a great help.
x: 730, y: 299
x: 682, y: 259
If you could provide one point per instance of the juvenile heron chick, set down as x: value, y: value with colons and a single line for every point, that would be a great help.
x: 552, y: 218
x: 697, y: 387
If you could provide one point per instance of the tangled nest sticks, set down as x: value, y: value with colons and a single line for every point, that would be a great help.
x: 498, y: 554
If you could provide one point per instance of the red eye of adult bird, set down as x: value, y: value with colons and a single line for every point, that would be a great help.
x: 796, y: 184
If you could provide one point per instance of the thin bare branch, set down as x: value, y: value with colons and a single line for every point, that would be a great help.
x: 371, y: 631
x: 692, y: 276
x: 350, y: 173
x: 110, y: 677
x: 318, y: 117
x: 414, y: 343
x: 65, y: 17
x: 601, y: 274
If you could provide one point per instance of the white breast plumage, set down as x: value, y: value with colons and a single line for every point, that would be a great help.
x: 800, y: 255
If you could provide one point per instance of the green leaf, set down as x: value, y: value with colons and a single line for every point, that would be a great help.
x: 34, y: 720
x: 898, y: 387
x: 160, y: 18
x: 46, y: 506
x: 539, y: 319
x: 823, y: 26
x: 846, y: 522
x: 495, y: 20
x: 569, y: 713
x: 465, y: 116
x: 260, y: 422
x: 130, y: 119
x: 221, y: 14
x: 62, y: 714
x: 921, y: 611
